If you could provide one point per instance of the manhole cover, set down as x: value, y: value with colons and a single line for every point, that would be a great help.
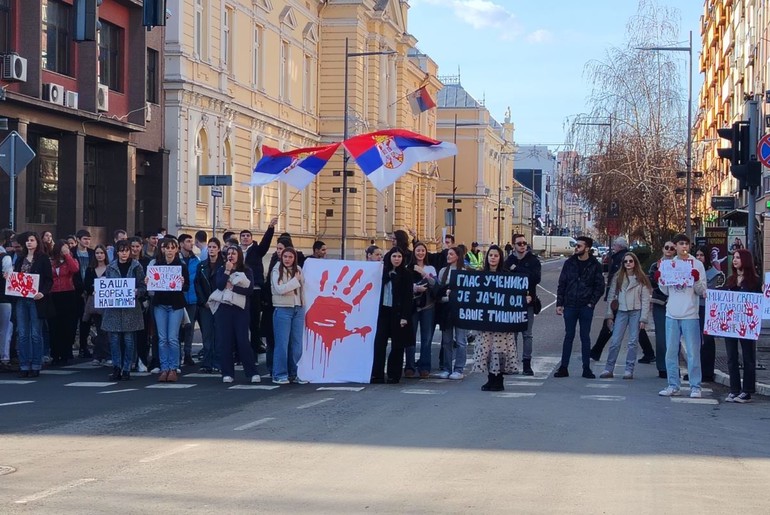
x: 5, y: 469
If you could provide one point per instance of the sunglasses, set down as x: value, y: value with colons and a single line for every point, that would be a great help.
x: 521, y: 243
x: 669, y: 247
x: 628, y: 261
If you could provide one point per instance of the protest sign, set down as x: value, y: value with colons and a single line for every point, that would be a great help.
x: 20, y: 284
x: 766, y: 297
x: 114, y: 293
x: 733, y: 314
x: 676, y: 272
x: 487, y: 301
x: 164, y: 278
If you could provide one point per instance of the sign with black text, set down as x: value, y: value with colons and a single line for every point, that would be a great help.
x: 118, y: 292
x: 487, y: 301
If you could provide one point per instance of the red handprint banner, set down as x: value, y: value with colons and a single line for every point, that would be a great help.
x: 733, y: 314
x: 341, y: 306
x: 20, y: 284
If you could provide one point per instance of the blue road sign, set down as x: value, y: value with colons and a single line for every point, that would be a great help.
x: 763, y: 150
x: 15, y: 154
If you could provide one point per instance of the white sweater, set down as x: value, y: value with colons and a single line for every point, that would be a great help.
x: 683, y: 302
x: 286, y: 294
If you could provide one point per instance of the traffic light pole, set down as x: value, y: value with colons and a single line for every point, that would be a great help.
x: 752, y: 108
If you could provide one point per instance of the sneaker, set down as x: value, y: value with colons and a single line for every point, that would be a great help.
x: 409, y: 373
x: 163, y: 377
x: 256, y: 379
x: 731, y: 397
x: 155, y: 370
x: 96, y: 363
x: 141, y: 367
x: 606, y: 375
x: 227, y: 379
x: 107, y: 363
x: 172, y: 376
x: 695, y: 393
x: 588, y: 374
x: 280, y: 381
x: 743, y: 398
x: 662, y: 374
x: 562, y: 372
x: 456, y: 376
x: 443, y: 374
x: 647, y: 359
x: 628, y: 375
x: 424, y: 374
x: 188, y: 361
x: 47, y: 360
x: 178, y: 370
x: 297, y: 380
x: 669, y: 391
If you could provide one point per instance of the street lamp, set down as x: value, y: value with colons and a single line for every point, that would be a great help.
x: 688, y: 187
x: 500, y: 197
x: 345, y: 155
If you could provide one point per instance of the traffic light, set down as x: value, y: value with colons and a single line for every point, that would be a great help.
x: 154, y: 13
x: 748, y: 171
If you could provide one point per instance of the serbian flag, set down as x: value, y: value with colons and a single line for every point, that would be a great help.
x: 297, y: 168
x: 384, y: 156
x: 420, y: 101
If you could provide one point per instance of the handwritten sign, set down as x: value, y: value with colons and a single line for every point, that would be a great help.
x: 487, y: 301
x: 766, y: 297
x: 114, y: 293
x: 24, y: 285
x: 676, y: 272
x: 733, y: 314
x: 164, y: 278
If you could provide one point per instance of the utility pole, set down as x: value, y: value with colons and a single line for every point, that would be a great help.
x: 752, y: 113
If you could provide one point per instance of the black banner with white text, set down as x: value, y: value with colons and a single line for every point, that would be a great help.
x: 486, y: 301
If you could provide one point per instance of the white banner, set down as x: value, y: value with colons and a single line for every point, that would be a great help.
x: 164, y: 278
x: 676, y: 272
x: 114, y: 293
x: 766, y: 297
x: 734, y: 314
x: 341, y: 305
x: 20, y: 284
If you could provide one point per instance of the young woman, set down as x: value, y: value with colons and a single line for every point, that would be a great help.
x: 6, y: 306
x: 424, y: 278
x: 659, y: 300
x: 454, y: 341
x: 714, y: 280
x: 286, y: 283
x: 205, y: 281
x: 284, y: 241
x: 744, y: 278
x: 123, y: 323
x: 47, y: 241
x: 168, y: 309
x: 394, y: 316
x: 495, y: 352
x: 65, y: 300
x: 373, y: 253
x: 632, y: 291
x: 96, y: 269
x: 231, y: 320
x: 30, y: 312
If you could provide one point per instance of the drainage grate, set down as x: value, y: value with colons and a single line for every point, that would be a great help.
x: 5, y: 469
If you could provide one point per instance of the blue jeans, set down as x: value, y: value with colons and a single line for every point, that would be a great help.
x: 659, y: 317
x: 167, y: 322
x: 690, y: 329
x: 189, y: 330
x: 572, y: 316
x: 122, y: 357
x: 427, y: 321
x: 6, y: 330
x: 454, y: 344
x: 624, y: 320
x: 30, y: 335
x: 288, y: 326
x: 208, y: 333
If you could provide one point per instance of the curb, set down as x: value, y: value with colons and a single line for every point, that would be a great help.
x: 724, y: 379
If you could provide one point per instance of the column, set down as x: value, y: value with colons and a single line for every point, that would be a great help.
x: 69, y: 210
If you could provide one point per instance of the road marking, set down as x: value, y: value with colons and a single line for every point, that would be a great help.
x: 423, y: 391
x: 83, y: 366
x: 532, y: 378
x: 120, y: 391
x: 514, y: 395
x: 687, y: 400
x: 91, y: 384
x: 58, y: 372
x: 607, y: 398
x: 523, y: 383
x: 254, y: 387
x: 170, y: 386
x: 170, y: 452
x: 606, y: 385
x: 214, y: 376
x: 55, y: 490
x: 545, y: 365
x: 253, y: 424
x: 16, y: 402
x: 340, y: 388
x: 15, y: 381
x: 315, y: 403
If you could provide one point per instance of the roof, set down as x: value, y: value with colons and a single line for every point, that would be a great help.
x: 453, y: 95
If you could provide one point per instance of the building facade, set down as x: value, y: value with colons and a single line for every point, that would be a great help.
x: 536, y: 169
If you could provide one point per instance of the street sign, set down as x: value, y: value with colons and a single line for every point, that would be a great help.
x: 15, y: 154
x: 763, y: 150
x: 614, y: 210
x: 613, y: 227
x: 216, y: 191
x: 215, y: 180
x: 723, y: 203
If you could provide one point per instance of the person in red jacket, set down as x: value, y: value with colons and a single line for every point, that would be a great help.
x: 64, y: 299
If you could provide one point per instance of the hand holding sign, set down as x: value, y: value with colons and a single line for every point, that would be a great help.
x: 677, y: 272
x: 164, y: 278
x: 20, y: 284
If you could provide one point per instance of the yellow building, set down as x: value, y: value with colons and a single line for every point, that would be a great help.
x: 481, y: 173
x: 245, y: 73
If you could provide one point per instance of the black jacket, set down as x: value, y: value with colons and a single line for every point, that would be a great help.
x: 402, y: 293
x: 616, y: 261
x: 42, y: 266
x: 253, y: 257
x: 175, y: 299
x: 205, y: 279
x: 577, y: 290
x: 529, y: 265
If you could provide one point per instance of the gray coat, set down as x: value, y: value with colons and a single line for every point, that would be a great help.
x: 125, y: 320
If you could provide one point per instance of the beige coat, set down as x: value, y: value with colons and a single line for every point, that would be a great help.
x: 632, y: 296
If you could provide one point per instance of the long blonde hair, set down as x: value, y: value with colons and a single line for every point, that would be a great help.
x: 641, y: 277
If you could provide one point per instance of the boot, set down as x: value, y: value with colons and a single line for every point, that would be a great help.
x: 116, y: 374
x: 488, y: 385
x: 528, y: 367
x: 498, y: 385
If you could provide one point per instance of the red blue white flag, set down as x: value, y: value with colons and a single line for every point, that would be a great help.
x: 420, y: 101
x: 297, y: 168
x: 384, y: 156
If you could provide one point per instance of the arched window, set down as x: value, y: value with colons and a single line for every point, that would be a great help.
x: 201, y: 163
x: 227, y: 169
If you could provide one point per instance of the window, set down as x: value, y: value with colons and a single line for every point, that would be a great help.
x: 227, y: 41
x: 283, y: 91
x: 57, y: 40
x: 256, y: 56
x: 307, y: 85
x: 201, y: 151
x: 201, y: 31
x: 43, y: 182
x: 97, y: 158
x: 152, y: 76
x: 5, y: 26
x: 110, y: 50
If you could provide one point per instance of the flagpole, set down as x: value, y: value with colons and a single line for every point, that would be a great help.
x: 344, y: 235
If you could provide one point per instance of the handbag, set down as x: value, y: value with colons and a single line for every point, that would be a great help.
x: 90, y: 309
x: 614, y: 305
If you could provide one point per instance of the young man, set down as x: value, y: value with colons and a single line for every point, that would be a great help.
x: 151, y: 247
x: 521, y: 260
x: 682, y: 320
x: 117, y: 236
x: 201, y: 243
x: 84, y: 254
x: 659, y: 300
x: 191, y: 299
x: 319, y: 250
x: 252, y: 256
x: 581, y: 285
x: 475, y: 258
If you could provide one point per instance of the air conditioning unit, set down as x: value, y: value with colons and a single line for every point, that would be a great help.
x: 103, y: 98
x: 72, y: 99
x: 14, y: 68
x: 53, y: 93
x: 147, y: 112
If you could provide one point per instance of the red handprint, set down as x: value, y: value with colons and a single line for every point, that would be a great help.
x: 723, y: 326
x: 713, y: 311
x: 730, y: 314
x: 742, y: 329
x: 753, y: 325
x: 750, y: 309
x: 326, y: 319
x: 695, y: 274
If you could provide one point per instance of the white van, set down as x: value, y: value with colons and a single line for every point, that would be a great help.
x: 553, y: 245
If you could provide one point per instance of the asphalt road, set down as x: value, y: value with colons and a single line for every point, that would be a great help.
x: 545, y: 445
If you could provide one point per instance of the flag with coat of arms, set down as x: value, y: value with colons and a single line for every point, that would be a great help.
x: 384, y: 156
x: 297, y: 167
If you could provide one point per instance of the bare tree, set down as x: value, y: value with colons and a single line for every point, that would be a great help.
x: 632, y: 140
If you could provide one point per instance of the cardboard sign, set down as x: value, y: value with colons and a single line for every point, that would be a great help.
x: 675, y: 272
x: 486, y: 301
x: 164, y: 278
x: 733, y: 314
x: 24, y: 285
x: 114, y: 293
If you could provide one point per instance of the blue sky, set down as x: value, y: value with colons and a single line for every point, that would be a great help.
x: 531, y: 55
